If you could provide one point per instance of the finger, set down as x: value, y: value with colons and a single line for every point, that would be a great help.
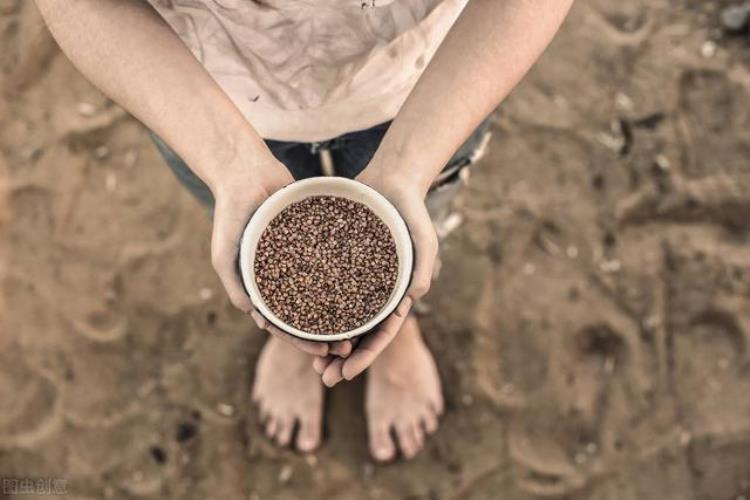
x: 260, y: 321
x: 225, y: 246
x: 321, y: 363
x: 332, y: 374
x: 314, y: 348
x: 341, y: 348
x: 402, y: 310
x: 425, y: 250
x: 371, y: 346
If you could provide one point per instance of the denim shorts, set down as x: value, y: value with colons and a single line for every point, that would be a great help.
x: 350, y: 153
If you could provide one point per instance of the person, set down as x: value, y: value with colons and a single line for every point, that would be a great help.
x: 250, y: 93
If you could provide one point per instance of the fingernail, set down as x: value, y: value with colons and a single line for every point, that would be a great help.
x: 404, y: 307
x: 258, y: 319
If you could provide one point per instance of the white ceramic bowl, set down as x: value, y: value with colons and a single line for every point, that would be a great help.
x: 326, y: 186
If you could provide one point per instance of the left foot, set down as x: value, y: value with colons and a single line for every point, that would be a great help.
x: 404, y: 398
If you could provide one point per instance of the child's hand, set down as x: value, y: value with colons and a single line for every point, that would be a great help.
x: 238, y: 194
x: 408, y: 198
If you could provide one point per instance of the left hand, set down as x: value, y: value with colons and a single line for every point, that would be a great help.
x: 408, y: 198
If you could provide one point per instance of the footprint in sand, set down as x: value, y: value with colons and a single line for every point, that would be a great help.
x: 710, y: 181
x: 30, y: 49
x: 31, y: 411
x: 709, y: 319
x: 624, y: 23
x: 720, y: 199
x: 711, y: 124
x: 581, y: 375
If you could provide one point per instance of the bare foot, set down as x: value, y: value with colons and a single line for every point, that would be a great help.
x: 404, y: 398
x: 288, y: 392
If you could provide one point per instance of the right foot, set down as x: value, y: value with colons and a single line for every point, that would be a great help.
x: 288, y: 393
x: 404, y: 398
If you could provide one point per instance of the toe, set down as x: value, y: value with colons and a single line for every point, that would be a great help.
x: 272, y: 425
x: 308, y: 437
x: 418, y: 434
x: 407, y: 442
x: 263, y: 414
x: 430, y: 422
x: 438, y: 405
x: 284, y: 431
x: 381, y: 444
x: 256, y: 396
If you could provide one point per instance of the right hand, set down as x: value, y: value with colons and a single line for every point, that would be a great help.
x: 238, y: 193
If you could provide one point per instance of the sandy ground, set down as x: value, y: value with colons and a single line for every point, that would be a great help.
x: 591, y: 323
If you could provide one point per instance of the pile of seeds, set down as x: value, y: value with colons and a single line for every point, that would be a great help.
x: 326, y: 265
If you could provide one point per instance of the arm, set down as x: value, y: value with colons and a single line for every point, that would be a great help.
x: 485, y: 54
x: 134, y: 57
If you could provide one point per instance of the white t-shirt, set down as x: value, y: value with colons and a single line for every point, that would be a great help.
x: 312, y: 70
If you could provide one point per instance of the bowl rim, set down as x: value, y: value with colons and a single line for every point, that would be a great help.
x: 401, y: 232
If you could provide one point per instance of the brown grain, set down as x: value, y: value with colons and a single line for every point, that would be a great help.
x: 326, y: 265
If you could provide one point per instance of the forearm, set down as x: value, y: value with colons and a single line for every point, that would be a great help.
x: 126, y: 50
x: 486, y: 53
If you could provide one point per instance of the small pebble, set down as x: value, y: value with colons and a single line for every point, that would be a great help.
x: 652, y: 322
x: 708, y: 49
x: 225, y: 409
x: 624, y: 102
x: 735, y: 18
x: 285, y: 474
x: 662, y: 162
x: 609, y: 365
x: 450, y: 224
x: 101, y: 152
x: 85, y: 108
x: 610, y: 266
x: 130, y: 158
x: 685, y: 438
